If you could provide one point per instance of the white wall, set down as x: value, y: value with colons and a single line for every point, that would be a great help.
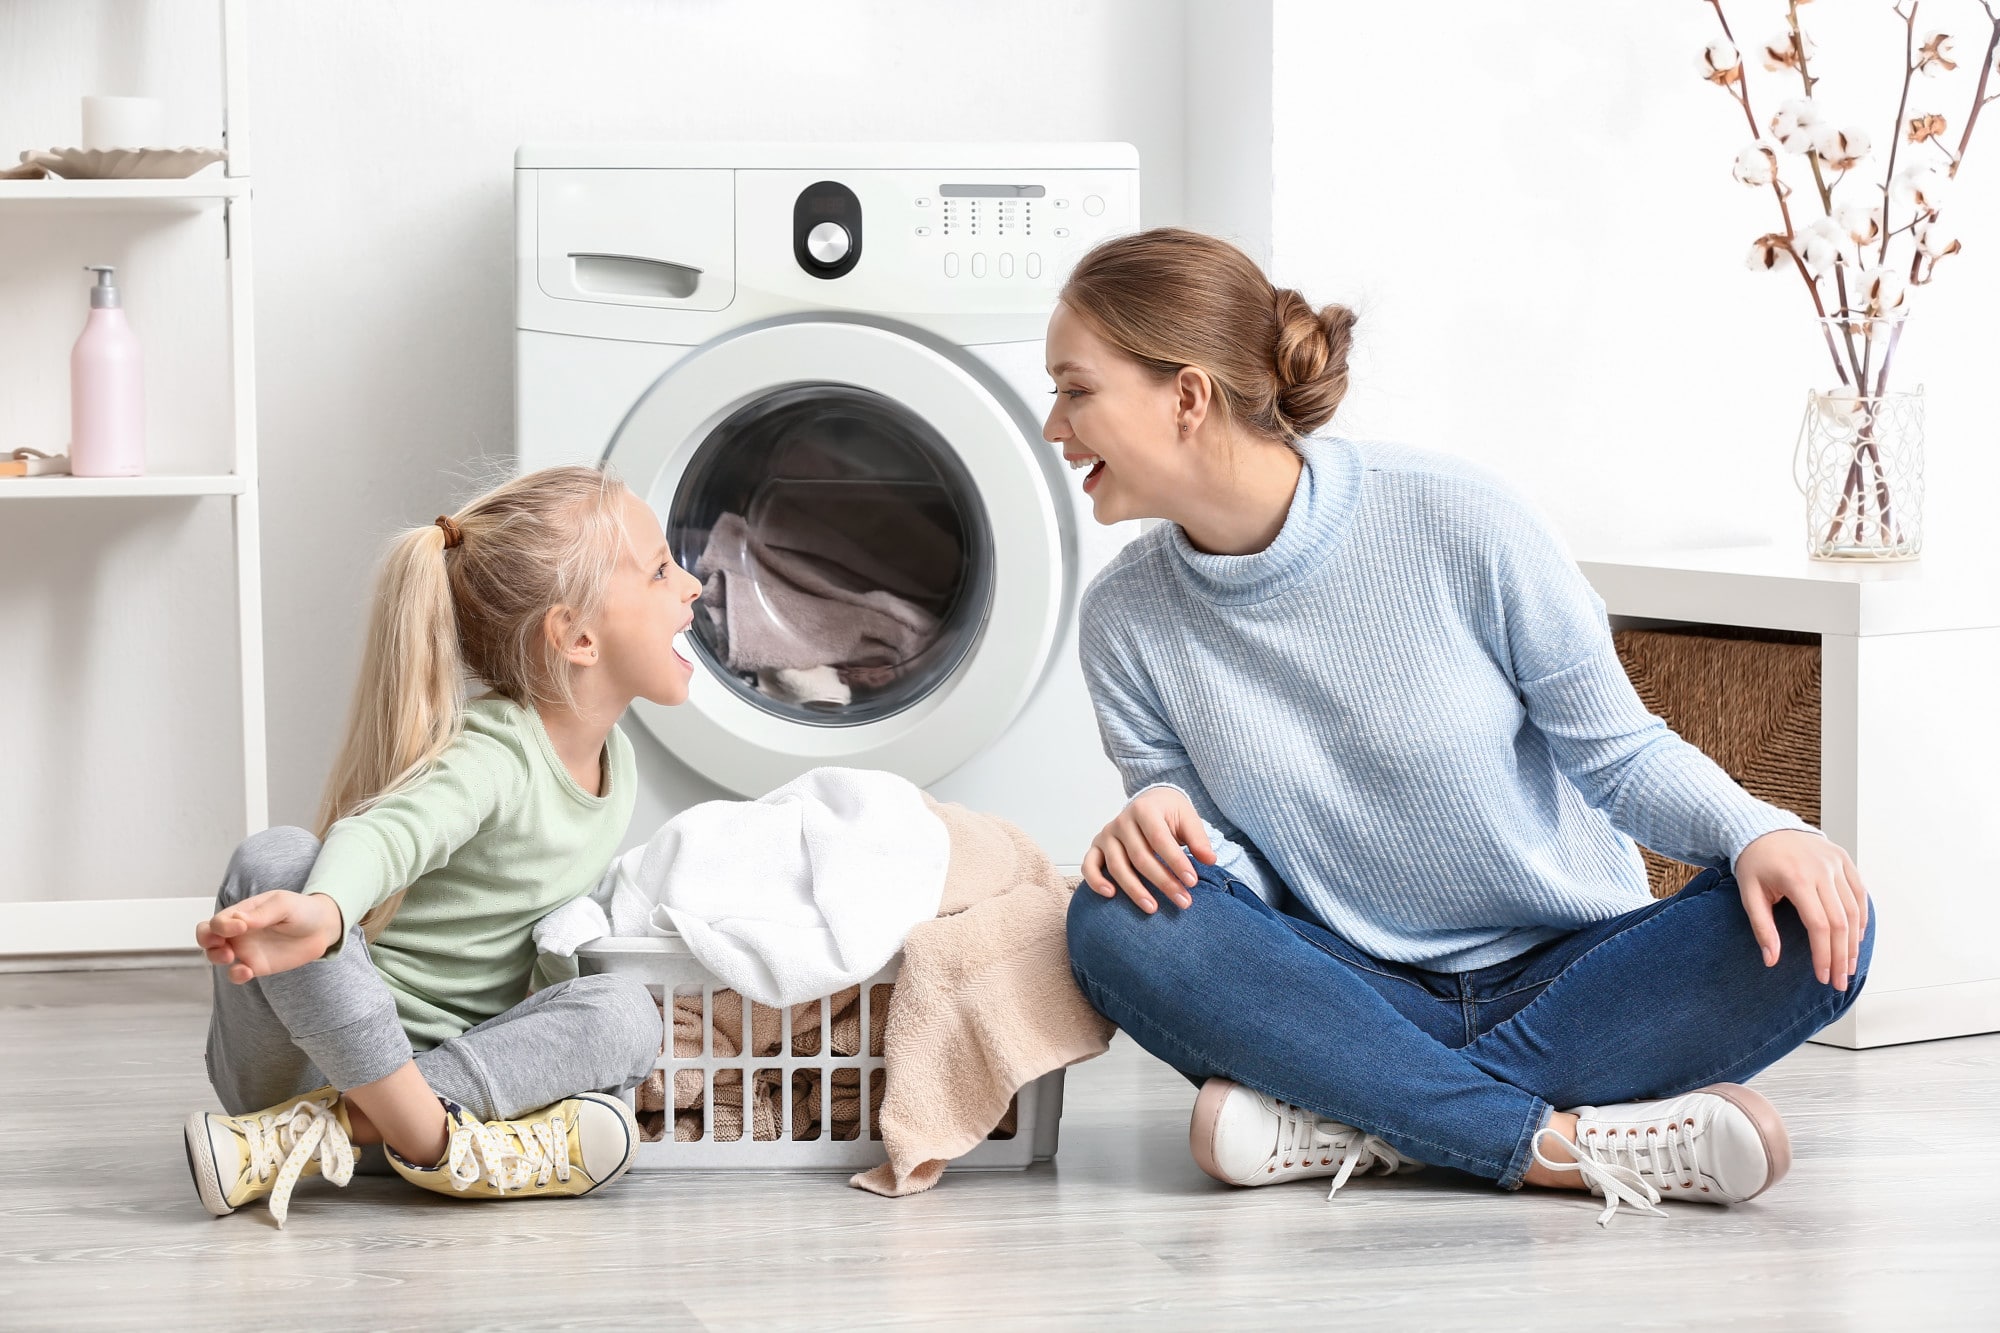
x: 1228, y: 112
x: 383, y: 139
x: 1529, y: 202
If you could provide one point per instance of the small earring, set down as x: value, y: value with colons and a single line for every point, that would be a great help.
x: 1184, y: 428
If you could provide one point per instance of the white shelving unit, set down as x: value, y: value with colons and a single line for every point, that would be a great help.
x: 1909, y: 751
x: 144, y: 925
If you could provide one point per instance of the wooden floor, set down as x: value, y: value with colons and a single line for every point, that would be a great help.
x: 1889, y: 1220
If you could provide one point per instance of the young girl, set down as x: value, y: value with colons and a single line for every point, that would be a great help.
x: 1371, y: 693
x: 374, y: 988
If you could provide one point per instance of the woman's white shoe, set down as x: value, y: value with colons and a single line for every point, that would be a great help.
x: 1719, y: 1144
x: 1243, y: 1137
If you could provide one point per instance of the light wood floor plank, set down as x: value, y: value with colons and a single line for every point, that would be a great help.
x: 1890, y: 1219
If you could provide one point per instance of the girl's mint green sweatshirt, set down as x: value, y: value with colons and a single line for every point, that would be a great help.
x: 494, y: 837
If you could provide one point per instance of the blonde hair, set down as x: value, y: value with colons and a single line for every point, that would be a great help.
x: 1170, y: 298
x: 468, y: 597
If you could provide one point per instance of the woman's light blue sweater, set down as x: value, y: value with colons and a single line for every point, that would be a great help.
x: 1407, y: 707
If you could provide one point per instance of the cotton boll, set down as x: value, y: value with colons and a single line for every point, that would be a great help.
x: 1884, y: 289
x: 1795, y: 124
x: 1862, y: 222
x: 1823, y: 247
x: 1934, y: 56
x: 1766, y: 253
x: 1757, y: 164
x: 1720, y: 63
x: 1780, y: 52
x: 1921, y: 186
x: 1923, y: 125
x: 1842, y: 406
x: 1840, y: 149
x: 1934, y: 240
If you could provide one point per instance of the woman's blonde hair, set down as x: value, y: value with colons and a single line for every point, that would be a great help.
x: 467, y: 599
x: 1170, y: 298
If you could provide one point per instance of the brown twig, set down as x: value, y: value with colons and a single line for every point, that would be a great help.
x: 1896, y: 139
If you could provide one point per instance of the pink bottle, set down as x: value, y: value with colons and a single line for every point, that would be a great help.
x: 107, y: 398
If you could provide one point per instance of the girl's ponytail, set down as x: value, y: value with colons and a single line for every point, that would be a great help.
x: 465, y: 600
x: 409, y: 702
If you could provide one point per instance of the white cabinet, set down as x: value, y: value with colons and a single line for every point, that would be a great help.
x: 1909, y: 752
x: 114, y: 925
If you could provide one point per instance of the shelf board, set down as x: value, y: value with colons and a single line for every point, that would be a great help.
x: 107, y: 488
x: 194, y: 190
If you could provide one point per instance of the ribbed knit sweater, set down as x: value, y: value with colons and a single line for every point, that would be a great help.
x: 1407, y: 710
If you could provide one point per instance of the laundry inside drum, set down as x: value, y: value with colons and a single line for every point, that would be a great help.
x: 844, y: 554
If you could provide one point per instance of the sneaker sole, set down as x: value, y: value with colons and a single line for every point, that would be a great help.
x: 1769, y: 1124
x: 631, y: 1124
x: 1202, y: 1125
x: 201, y: 1166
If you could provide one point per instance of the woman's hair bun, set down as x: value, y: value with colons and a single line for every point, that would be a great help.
x: 1310, y: 360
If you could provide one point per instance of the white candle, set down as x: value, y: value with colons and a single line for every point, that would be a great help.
x: 123, y: 122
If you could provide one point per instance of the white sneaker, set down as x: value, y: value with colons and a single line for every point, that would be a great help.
x: 1251, y: 1138
x: 1719, y: 1144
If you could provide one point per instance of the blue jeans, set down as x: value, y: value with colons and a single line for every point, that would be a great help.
x: 1456, y: 1069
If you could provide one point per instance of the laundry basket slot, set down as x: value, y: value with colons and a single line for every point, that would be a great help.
x: 744, y: 1086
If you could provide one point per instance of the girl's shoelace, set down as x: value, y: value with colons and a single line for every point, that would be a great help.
x: 287, y: 1141
x: 1306, y: 1136
x: 527, y: 1152
x: 1618, y: 1166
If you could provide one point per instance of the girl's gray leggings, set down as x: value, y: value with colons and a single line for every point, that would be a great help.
x: 334, y: 1021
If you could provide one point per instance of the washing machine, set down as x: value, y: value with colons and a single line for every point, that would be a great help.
x: 822, y: 366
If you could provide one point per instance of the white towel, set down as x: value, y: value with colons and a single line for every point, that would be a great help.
x: 617, y: 906
x: 802, y: 893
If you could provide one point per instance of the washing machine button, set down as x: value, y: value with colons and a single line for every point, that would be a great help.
x: 1034, y: 265
x: 951, y: 264
x: 1093, y: 204
x: 1060, y: 233
x: 1006, y: 266
x: 979, y: 265
x: 828, y: 242
x: 923, y: 231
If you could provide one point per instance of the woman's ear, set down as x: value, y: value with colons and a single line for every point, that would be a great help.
x: 570, y: 639
x: 1193, y: 392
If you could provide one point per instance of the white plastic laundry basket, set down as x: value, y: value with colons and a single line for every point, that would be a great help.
x: 670, y: 971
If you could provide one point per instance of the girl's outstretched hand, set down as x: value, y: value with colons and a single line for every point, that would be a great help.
x: 1818, y: 877
x: 1145, y: 843
x: 270, y: 933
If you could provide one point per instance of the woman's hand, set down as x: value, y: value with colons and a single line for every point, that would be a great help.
x: 270, y: 933
x: 1144, y: 843
x: 1819, y: 878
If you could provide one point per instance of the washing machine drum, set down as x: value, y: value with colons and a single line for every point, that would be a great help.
x: 878, y: 545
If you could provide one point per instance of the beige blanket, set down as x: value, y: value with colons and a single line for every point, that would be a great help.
x: 984, y: 1003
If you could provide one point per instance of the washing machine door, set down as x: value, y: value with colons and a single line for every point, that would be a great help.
x: 880, y: 549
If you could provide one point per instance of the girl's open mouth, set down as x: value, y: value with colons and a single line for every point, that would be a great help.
x: 681, y: 650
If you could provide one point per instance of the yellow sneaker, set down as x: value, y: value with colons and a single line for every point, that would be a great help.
x: 238, y: 1159
x: 562, y: 1151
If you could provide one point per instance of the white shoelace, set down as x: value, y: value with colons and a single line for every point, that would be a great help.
x: 1623, y: 1168
x: 285, y: 1142
x: 1306, y: 1136
x: 479, y: 1152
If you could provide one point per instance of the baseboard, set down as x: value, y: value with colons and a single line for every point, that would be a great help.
x: 1926, y: 1013
x: 105, y: 926
x: 100, y: 962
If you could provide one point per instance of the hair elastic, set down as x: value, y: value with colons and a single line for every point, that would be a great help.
x: 453, y: 534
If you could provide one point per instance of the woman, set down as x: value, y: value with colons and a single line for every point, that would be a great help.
x: 1368, y: 693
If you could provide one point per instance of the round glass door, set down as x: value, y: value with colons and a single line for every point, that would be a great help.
x: 846, y: 560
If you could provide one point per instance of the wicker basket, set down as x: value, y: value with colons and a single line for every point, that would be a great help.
x: 1749, y: 700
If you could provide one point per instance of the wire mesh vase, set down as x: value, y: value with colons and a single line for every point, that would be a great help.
x: 1860, y: 463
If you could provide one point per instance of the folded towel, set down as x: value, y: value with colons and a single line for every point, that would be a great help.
x: 801, y: 893
x: 984, y: 1002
